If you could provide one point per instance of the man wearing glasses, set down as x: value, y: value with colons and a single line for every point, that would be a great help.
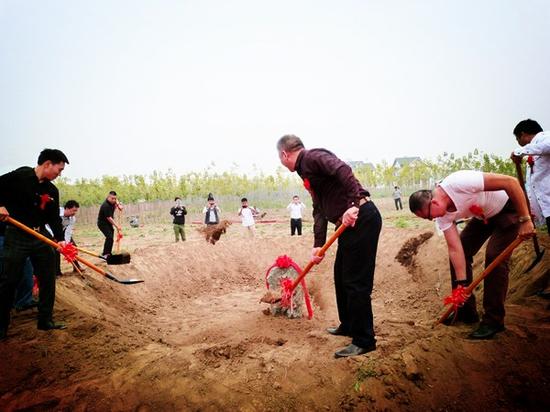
x: 499, y: 213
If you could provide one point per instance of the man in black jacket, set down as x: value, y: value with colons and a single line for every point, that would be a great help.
x: 339, y: 198
x: 28, y: 195
x: 105, y: 222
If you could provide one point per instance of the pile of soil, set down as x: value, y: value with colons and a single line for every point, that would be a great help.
x: 193, y: 336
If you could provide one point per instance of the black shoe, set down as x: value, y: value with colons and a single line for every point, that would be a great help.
x: 353, y: 350
x: 337, y: 331
x: 486, y: 331
x: 26, y: 307
x: 461, y: 316
x: 49, y: 325
x: 3, y: 334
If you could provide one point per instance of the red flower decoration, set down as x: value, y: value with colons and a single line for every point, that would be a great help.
x: 69, y: 252
x: 457, y: 297
x: 283, y: 262
x: 531, y: 162
x: 307, y: 185
x: 478, y: 211
x: 286, y: 292
x: 44, y: 199
x: 118, y: 236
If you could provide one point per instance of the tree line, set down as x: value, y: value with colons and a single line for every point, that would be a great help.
x: 379, y: 179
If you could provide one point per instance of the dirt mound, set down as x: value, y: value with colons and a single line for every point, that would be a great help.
x: 193, y: 337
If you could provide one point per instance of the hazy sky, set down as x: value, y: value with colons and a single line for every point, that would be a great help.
x: 126, y: 87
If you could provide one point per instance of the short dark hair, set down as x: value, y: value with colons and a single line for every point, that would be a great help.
x: 70, y: 204
x: 112, y: 192
x: 53, y: 155
x: 527, y: 126
x: 176, y: 198
x: 290, y: 143
x: 244, y: 199
x: 295, y: 196
x: 419, y: 199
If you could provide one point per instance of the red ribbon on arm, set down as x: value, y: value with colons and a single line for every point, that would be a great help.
x: 69, y: 252
x: 457, y: 297
x: 118, y: 236
x: 531, y: 162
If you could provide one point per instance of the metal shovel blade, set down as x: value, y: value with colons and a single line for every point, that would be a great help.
x: 123, y: 281
x: 537, y: 260
x: 118, y: 259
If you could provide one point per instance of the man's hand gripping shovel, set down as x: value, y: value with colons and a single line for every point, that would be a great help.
x: 460, y: 294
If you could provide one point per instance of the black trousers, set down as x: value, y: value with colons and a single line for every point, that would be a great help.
x: 398, y: 204
x: 354, y: 275
x: 109, y: 233
x: 295, y: 225
x: 18, y: 247
x: 548, y: 224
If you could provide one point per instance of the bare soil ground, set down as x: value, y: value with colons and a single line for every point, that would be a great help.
x: 193, y: 335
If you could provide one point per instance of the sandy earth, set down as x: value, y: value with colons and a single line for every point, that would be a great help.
x: 193, y: 336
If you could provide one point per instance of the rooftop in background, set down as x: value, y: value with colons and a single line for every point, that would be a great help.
x: 400, y: 162
x: 355, y: 164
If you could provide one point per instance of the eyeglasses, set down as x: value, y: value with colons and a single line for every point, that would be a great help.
x: 430, y: 206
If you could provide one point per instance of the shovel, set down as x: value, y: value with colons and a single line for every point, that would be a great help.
x: 271, y: 298
x: 468, y: 291
x: 81, y: 260
x: 538, y: 252
x: 116, y: 259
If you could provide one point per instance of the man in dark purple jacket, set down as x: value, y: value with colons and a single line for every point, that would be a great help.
x: 339, y: 198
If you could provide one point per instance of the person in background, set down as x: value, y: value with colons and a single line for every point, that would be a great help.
x: 106, y: 222
x: 247, y: 216
x: 179, y: 212
x: 28, y: 195
x: 211, y: 211
x: 535, y: 144
x: 397, y: 198
x: 296, y: 209
x: 68, y: 220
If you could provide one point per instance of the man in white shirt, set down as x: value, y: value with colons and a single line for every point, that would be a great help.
x: 68, y: 220
x: 247, y: 216
x: 535, y: 144
x: 296, y: 209
x: 499, y: 213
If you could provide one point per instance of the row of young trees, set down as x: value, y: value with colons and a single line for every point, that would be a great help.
x: 164, y: 186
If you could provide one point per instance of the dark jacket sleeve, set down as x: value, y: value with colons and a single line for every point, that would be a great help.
x: 320, y: 224
x: 172, y: 211
x: 6, y: 186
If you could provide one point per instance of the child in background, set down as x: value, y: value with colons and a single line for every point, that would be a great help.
x: 247, y: 216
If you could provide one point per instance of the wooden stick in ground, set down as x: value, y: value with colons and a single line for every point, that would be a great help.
x: 498, y: 260
x: 536, y: 246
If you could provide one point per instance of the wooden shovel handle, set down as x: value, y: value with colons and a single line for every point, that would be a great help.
x: 320, y: 252
x: 50, y: 242
x: 521, y: 181
x: 498, y: 260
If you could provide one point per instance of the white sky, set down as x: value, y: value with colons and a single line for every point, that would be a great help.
x: 126, y: 87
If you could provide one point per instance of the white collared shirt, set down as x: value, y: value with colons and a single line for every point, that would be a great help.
x: 537, y: 185
x: 296, y: 210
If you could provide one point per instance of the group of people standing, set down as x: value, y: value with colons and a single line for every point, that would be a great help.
x: 494, y: 204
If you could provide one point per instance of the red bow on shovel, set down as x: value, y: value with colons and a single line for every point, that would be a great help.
x: 460, y: 294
